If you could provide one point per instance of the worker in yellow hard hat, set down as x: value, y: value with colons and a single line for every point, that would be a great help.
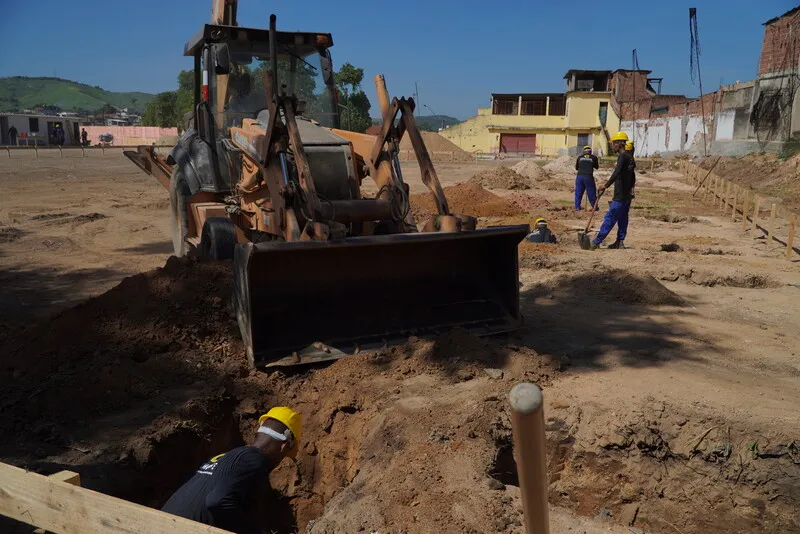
x: 541, y: 233
x: 624, y: 179
x: 629, y: 148
x: 584, y: 181
x: 225, y: 491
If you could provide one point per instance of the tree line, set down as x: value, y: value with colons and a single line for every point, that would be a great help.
x: 169, y: 108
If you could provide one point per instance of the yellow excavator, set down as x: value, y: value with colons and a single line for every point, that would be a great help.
x: 265, y: 176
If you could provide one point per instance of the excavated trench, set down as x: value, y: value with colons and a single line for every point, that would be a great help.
x: 416, y: 437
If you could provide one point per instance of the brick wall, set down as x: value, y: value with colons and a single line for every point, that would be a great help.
x: 628, y: 85
x: 781, y: 45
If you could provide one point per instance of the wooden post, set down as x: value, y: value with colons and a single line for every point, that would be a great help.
x: 60, y: 151
x: 36, y: 148
x: 727, y: 203
x: 8, y: 149
x: 745, y: 209
x: 103, y: 147
x: 756, y: 208
x: 652, y: 164
x: 790, y: 239
x: 527, y: 428
x: 771, y: 223
x: 733, y: 206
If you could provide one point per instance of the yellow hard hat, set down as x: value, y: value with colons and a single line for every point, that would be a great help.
x: 540, y: 220
x: 587, y: 147
x: 619, y: 136
x: 629, y: 145
x: 291, y: 419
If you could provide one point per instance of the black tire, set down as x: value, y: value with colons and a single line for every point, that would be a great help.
x: 218, y: 239
x: 179, y: 211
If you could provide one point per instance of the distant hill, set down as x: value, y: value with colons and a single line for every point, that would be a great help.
x: 20, y: 92
x: 431, y: 123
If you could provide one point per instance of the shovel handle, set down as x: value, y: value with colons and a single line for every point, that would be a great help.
x: 594, y: 208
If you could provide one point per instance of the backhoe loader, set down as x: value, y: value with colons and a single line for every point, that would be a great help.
x: 264, y: 176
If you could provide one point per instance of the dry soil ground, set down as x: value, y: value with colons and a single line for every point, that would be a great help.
x: 671, y: 378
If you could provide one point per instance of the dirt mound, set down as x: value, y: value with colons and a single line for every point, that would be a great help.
x: 156, y: 382
x: 529, y: 202
x: 615, y: 285
x: 767, y: 173
x: 500, y: 178
x: 529, y: 169
x: 467, y: 198
x: 152, y: 330
x: 439, y: 148
x: 562, y: 165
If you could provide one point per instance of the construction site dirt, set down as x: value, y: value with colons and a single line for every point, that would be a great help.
x: 670, y: 374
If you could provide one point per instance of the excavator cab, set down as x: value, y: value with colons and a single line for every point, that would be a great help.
x: 267, y: 178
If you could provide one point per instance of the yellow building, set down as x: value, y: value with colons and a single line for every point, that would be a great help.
x: 543, y: 123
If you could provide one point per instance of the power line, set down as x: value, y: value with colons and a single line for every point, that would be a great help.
x: 694, y: 67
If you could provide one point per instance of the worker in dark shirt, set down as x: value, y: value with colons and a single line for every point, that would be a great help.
x: 224, y: 491
x: 624, y: 179
x: 585, y: 165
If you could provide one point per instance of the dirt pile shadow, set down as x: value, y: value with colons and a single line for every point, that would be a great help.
x: 582, y: 318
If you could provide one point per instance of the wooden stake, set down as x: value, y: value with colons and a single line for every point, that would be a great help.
x: 60, y: 152
x: 790, y: 239
x: 756, y: 208
x: 745, y: 207
x: 771, y: 223
x: 733, y: 206
x: 527, y: 428
x: 36, y: 148
x: 727, y: 203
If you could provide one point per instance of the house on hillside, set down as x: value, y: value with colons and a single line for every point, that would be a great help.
x: 544, y: 123
x: 38, y: 129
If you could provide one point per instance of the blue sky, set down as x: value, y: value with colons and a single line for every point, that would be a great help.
x: 458, y: 51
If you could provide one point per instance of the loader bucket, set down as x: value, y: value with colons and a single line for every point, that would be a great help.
x: 312, y: 301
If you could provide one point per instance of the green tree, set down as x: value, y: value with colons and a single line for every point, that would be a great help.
x: 185, y: 99
x: 162, y: 111
x: 355, y: 115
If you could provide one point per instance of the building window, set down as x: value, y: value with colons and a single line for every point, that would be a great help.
x: 536, y: 106
x: 558, y: 105
x: 33, y: 125
x: 505, y: 107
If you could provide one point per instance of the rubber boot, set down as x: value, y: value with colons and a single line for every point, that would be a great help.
x: 617, y: 244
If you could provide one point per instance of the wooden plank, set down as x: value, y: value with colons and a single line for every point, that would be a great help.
x: 790, y: 239
x: 70, y: 477
x: 756, y: 209
x: 62, y: 508
x: 771, y: 223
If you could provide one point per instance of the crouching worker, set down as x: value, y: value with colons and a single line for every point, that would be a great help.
x: 224, y: 491
x: 542, y: 234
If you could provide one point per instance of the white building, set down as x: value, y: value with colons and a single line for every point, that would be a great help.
x: 38, y: 129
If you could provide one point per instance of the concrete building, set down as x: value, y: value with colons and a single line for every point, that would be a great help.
x: 543, y: 123
x: 38, y: 129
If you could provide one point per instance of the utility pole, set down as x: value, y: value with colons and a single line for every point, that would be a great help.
x: 416, y: 92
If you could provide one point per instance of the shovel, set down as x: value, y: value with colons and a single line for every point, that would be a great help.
x: 583, y: 237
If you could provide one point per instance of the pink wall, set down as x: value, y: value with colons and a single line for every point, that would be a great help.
x: 129, y: 135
